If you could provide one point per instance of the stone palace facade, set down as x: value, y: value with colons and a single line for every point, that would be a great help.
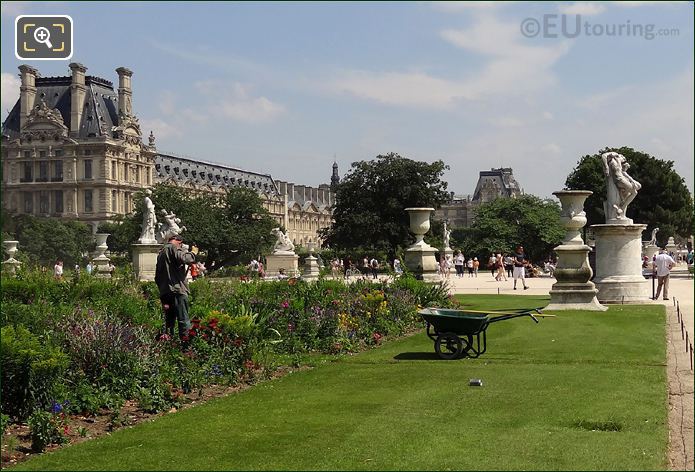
x: 72, y: 147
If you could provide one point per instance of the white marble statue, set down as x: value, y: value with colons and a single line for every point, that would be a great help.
x: 621, y: 189
x: 447, y: 236
x: 169, y: 227
x: 149, y: 221
x: 652, y: 242
x: 283, y: 243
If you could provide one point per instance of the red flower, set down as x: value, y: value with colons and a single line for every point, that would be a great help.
x: 238, y: 342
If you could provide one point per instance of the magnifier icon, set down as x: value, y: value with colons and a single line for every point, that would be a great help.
x: 43, y: 36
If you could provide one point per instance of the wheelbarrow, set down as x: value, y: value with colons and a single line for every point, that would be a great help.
x: 454, y: 331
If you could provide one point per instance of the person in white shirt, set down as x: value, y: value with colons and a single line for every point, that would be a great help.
x: 663, y: 263
x: 58, y: 270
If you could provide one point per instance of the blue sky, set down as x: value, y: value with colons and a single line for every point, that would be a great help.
x: 281, y: 88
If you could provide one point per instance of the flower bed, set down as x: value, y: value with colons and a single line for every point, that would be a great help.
x: 88, y: 346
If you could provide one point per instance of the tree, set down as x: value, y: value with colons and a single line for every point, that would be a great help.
x: 663, y: 201
x: 370, y: 203
x: 504, y: 223
x: 45, y: 240
x: 228, y: 228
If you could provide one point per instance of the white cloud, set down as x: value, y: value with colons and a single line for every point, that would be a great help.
x: 551, y: 148
x: 513, y: 67
x: 548, y: 116
x: 234, y: 100
x: 465, y: 6
x: 582, y: 8
x: 507, y: 122
x: 161, y: 128
x: 9, y: 89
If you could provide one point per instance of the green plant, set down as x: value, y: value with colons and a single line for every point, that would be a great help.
x: 4, y: 422
x: 46, y: 429
x: 30, y: 371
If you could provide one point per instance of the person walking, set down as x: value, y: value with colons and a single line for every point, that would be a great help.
x: 58, y: 270
x: 500, y: 269
x: 397, y: 269
x: 170, y: 277
x: 374, y: 265
x: 469, y: 266
x: 519, y: 266
x: 662, y: 266
x: 476, y: 266
x: 458, y: 264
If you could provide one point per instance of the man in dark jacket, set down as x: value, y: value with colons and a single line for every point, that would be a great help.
x: 170, y: 276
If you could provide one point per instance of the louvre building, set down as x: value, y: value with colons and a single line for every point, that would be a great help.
x: 72, y: 147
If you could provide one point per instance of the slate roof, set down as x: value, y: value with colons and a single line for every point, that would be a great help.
x: 182, y: 170
x: 100, y: 112
x: 504, y: 180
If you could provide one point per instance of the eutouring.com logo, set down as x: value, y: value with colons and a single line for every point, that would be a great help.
x: 554, y: 25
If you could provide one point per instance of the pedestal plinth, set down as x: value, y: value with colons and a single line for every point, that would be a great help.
x: 650, y: 252
x: 573, y: 289
x: 145, y: 260
x: 420, y: 260
x: 311, y: 268
x: 282, y: 260
x: 619, y: 276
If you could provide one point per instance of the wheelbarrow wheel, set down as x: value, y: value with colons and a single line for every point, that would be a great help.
x: 449, y: 346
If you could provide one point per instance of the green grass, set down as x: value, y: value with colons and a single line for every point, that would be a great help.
x: 584, y: 391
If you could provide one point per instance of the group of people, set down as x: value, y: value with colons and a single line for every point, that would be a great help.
x: 500, y: 266
x: 58, y: 269
x: 369, y: 266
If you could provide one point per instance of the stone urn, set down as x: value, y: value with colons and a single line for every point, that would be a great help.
x: 419, y: 257
x: 11, y: 264
x: 101, y: 261
x: 573, y: 289
x: 419, y: 224
x: 102, y: 247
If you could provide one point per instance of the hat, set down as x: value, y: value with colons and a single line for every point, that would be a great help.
x: 176, y: 237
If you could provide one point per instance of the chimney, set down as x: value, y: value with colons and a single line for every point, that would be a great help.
x: 125, y: 92
x: 78, y: 92
x: 290, y: 191
x: 27, y: 92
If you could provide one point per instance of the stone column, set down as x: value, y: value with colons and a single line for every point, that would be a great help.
x: 573, y: 289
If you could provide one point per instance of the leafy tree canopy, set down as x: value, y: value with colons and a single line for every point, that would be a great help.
x: 229, y: 228
x: 370, y: 203
x: 502, y: 224
x: 45, y: 240
x: 663, y: 201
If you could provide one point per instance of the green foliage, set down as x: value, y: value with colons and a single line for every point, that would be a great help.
x: 46, y: 429
x: 371, y: 200
x: 45, y: 240
x: 4, y: 423
x: 30, y: 371
x: 502, y: 224
x: 664, y: 201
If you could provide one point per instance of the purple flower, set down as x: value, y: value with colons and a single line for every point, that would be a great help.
x: 56, y: 407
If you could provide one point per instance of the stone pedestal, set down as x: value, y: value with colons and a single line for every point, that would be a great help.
x: 619, y: 276
x: 448, y: 253
x: 650, y: 252
x: 419, y: 258
x: 573, y: 289
x: 311, y: 268
x: 145, y: 260
x: 101, y: 262
x: 671, y: 246
x: 11, y: 265
x: 282, y: 260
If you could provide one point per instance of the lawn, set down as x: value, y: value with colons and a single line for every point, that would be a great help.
x: 584, y: 391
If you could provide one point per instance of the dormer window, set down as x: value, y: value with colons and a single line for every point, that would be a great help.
x: 185, y: 172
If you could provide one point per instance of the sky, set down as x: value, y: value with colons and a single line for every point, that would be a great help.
x: 286, y: 88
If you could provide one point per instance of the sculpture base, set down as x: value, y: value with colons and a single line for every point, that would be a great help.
x: 619, y: 264
x: 580, y: 296
x: 101, y: 267
x: 311, y: 268
x: 145, y: 260
x: 10, y: 266
x: 284, y: 260
x: 650, y: 252
x: 420, y: 260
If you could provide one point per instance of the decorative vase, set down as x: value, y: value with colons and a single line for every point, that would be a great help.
x: 573, y: 216
x: 419, y: 223
x: 10, y: 248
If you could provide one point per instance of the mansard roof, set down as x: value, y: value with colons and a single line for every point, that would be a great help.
x: 100, y: 112
x: 502, y: 179
x: 201, y: 173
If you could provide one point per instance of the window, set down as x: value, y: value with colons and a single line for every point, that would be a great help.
x: 87, y: 152
x: 43, y: 202
x: 43, y: 171
x: 88, y: 206
x: 114, y: 170
x: 57, y: 171
x: 125, y: 172
x: 114, y: 201
x: 88, y: 169
x: 137, y: 174
x: 58, y: 153
x: 58, y: 201
x: 28, y: 168
x: 27, y: 154
x: 42, y: 154
x: 28, y: 202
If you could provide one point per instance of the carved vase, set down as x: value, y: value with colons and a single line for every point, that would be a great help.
x: 419, y: 223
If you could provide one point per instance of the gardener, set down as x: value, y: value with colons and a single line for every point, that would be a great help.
x: 170, y: 276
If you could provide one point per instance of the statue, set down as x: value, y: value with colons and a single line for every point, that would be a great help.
x: 447, y: 236
x: 283, y: 243
x: 149, y: 220
x: 169, y: 228
x: 621, y: 188
x: 652, y: 242
x: 151, y: 138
